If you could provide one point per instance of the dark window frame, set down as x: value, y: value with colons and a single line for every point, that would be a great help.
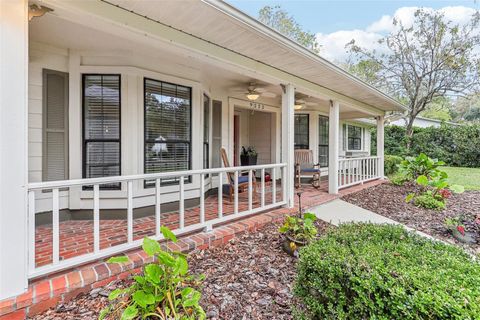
x: 206, y: 123
x: 86, y: 141
x: 320, y: 145
x: 146, y: 184
x: 302, y: 146
x: 352, y: 139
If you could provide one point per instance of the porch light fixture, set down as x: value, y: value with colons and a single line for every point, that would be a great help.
x: 298, y: 106
x: 252, y: 96
x: 35, y: 10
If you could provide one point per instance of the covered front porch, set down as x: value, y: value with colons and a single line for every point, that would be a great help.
x: 125, y: 134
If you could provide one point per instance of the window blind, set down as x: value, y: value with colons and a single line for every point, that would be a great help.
x: 354, y: 138
x: 301, y: 131
x: 101, y: 126
x: 167, y: 127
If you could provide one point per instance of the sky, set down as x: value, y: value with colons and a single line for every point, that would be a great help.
x: 337, y: 22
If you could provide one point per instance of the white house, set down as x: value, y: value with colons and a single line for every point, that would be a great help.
x: 121, y: 105
x: 422, y: 122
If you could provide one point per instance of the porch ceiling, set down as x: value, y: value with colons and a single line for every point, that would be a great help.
x: 220, y: 23
x: 58, y: 32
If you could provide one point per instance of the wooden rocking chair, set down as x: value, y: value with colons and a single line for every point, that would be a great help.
x: 304, y: 165
x: 242, y: 180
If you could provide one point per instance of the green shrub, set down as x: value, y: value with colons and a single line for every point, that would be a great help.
x: 391, y: 164
x: 456, y: 145
x: 428, y: 201
x: 398, y: 179
x: 366, y: 271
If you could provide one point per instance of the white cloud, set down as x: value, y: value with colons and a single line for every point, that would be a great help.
x: 333, y: 44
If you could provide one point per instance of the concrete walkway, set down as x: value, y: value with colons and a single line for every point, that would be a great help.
x: 338, y: 211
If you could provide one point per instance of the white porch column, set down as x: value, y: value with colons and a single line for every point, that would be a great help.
x: 333, y: 146
x: 380, y: 145
x: 288, y: 102
x: 13, y: 146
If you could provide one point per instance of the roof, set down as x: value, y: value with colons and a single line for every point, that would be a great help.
x: 224, y: 25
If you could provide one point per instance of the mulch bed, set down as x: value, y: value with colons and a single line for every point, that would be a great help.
x: 389, y: 200
x: 249, y: 278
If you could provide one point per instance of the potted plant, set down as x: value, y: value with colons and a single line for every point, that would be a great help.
x: 298, y: 231
x: 248, y: 156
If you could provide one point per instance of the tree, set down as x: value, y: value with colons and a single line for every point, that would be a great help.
x: 278, y: 19
x: 429, y: 59
x: 439, y: 109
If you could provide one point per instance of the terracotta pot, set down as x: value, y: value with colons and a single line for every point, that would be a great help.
x: 291, y: 246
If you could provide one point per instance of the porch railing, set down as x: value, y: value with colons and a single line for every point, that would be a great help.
x: 353, y: 171
x: 55, y: 187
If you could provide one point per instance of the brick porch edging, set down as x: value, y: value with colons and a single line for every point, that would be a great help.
x: 46, y: 293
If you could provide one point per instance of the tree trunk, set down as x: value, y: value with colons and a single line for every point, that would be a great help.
x: 409, y: 130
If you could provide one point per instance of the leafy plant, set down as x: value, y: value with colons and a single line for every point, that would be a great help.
x: 392, y: 163
x: 368, y: 271
x: 248, y: 152
x: 398, y: 179
x: 164, y: 291
x: 428, y: 201
x: 435, y: 190
x: 455, y: 223
x: 300, y: 229
x: 422, y: 165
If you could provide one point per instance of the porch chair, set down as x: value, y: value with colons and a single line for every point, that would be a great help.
x: 242, y: 180
x: 304, y: 165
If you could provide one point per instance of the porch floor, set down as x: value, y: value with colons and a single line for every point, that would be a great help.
x: 76, y: 236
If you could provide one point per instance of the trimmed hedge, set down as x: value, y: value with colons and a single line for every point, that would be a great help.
x: 456, y: 145
x: 366, y: 271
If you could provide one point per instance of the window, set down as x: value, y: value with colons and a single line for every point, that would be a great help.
x: 101, y: 126
x: 323, y: 141
x: 55, y: 126
x: 354, y: 137
x: 206, y: 130
x: 301, y: 131
x: 167, y: 128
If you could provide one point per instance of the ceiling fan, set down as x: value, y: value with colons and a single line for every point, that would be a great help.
x: 302, y: 104
x: 253, y: 92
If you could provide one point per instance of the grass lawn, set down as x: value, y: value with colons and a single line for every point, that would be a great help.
x: 467, y: 177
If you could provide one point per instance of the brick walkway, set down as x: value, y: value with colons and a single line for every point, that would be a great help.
x: 47, y: 292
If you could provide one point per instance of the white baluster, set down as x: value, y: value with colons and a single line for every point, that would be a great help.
x: 235, y: 206
x: 262, y: 200
x: 31, y: 230
x: 130, y: 211
x: 202, y: 198
x: 250, y: 187
x: 220, y: 195
x: 158, y: 204
x: 181, y: 205
x: 55, y: 226
x: 274, y: 185
x: 96, y: 218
